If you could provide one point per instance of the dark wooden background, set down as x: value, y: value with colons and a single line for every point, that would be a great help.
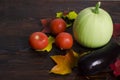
x: 20, y: 18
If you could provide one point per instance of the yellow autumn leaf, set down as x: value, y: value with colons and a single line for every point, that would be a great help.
x: 72, y: 58
x: 61, y: 69
x: 58, y: 59
x: 64, y: 63
x: 51, y: 40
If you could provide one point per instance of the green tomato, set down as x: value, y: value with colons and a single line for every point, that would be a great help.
x: 93, y: 27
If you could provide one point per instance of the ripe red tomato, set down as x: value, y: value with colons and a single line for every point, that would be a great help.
x: 38, y: 40
x: 57, y: 25
x: 64, y: 40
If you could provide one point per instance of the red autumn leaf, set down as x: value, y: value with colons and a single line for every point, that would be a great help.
x: 65, y: 13
x: 116, y: 67
x: 45, y: 24
x: 116, y: 30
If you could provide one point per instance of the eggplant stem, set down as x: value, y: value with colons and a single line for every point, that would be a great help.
x: 97, y: 6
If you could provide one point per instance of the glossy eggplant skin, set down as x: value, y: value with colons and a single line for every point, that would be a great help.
x: 99, y: 59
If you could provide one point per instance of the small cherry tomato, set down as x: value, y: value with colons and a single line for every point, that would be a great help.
x: 38, y: 40
x: 64, y: 40
x: 57, y: 25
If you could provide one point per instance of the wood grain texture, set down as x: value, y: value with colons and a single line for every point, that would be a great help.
x: 20, y: 18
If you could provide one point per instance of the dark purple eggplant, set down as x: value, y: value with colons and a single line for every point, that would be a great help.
x: 98, y: 60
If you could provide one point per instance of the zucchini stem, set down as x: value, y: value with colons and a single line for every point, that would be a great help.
x: 97, y: 6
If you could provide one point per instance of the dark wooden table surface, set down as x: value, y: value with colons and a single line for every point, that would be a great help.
x: 20, y: 18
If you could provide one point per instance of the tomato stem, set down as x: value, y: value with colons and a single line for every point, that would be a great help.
x: 96, y: 10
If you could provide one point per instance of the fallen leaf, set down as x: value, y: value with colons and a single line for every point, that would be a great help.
x: 59, y: 14
x: 45, y: 24
x: 51, y: 40
x: 72, y: 15
x: 65, y: 13
x: 67, y: 16
x: 116, y: 67
x: 116, y: 30
x: 70, y: 24
x: 64, y: 63
x: 71, y: 58
x: 61, y: 67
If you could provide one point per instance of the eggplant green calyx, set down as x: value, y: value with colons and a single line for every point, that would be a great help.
x: 96, y: 10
